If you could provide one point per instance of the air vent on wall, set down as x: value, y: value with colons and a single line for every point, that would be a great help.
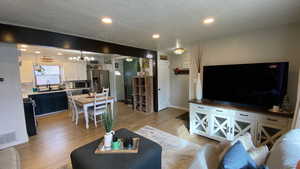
x: 7, y: 138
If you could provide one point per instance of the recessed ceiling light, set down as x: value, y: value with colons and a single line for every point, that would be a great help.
x: 37, y: 52
x: 59, y: 53
x: 208, y: 20
x: 23, y: 49
x: 24, y: 46
x: 155, y: 36
x: 107, y: 20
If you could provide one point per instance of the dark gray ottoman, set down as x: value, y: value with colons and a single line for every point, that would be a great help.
x: 148, y: 157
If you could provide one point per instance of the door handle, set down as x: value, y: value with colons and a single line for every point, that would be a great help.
x: 158, y: 89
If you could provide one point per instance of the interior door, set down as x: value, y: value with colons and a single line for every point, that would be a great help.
x: 163, y: 84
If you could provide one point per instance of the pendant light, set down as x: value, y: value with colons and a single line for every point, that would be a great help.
x: 178, y: 50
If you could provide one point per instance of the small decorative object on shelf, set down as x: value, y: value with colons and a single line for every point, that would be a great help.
x: 108, y: 122
x: 178, y: 71
x: 127, y: 145
x: 116, y: 144
x: 286, y: 106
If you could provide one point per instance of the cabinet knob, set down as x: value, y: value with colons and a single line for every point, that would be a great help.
x: 219, y: 110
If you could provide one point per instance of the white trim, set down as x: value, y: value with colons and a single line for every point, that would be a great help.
x: 179, y: 107
x: 14, y: 143
x: 41, y: 115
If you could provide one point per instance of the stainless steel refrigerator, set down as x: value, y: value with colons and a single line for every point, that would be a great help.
x: 98, y: 79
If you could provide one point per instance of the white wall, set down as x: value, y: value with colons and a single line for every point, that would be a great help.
x: 269, y: 45
x: 179, y: 84
x: 11, y: 111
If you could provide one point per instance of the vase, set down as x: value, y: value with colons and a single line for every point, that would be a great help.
x: 198, y: 87
x: 108, y: 139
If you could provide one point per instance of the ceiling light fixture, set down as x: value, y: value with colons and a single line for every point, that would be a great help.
x: 106, y: 20
x: 24, y: 46
x: 155, y: 36
x: 208, y: 21
x: 37, y: 52
x: 23, y: 50
x: 178, y: 50
x: 59, y: 54
x: 129, y: 59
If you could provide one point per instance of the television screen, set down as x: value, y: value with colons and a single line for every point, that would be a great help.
x: 47, y: 75
x: 262, y: 85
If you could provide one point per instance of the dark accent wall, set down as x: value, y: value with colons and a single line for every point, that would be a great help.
x: 17, y: 34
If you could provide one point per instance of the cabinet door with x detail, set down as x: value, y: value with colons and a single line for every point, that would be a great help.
x: 221, y: 127
x: 200, y: 123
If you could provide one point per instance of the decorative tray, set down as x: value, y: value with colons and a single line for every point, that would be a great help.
x: 103, y: 150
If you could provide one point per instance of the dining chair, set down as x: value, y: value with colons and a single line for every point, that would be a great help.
x: 77, y: 110
x: 71, y: 106
x: 99, y: 108
x: 106, y: 90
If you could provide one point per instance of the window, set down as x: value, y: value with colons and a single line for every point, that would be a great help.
x: 47, y: 75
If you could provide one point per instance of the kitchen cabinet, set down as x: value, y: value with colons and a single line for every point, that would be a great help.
x: 228, y: 124
x: 74, y: 71
x: 50, y: 102
x: 26, y: 71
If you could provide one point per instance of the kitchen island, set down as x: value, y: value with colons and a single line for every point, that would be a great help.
x: 52, y: 101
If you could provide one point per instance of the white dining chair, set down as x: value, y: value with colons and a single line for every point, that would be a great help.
x: 101, y: 108
x: 71, y: 106
x: 106, y: 90
x: 77, y: 109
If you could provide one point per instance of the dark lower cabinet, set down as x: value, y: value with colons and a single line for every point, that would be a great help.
x: 29, y: 117
x: 50, y: 102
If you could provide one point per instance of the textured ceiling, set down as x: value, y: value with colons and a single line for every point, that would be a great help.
x: 134, y: 21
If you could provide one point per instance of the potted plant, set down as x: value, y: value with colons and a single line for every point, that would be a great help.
x: 108, y: 123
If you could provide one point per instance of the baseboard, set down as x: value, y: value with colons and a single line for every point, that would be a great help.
x: 46, y: 114
x: 179, y: 107
x: 13, y: 144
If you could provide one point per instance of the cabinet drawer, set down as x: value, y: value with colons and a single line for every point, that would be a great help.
x: 220, y: 111
x: 275, y: 120
x: 200, y: 108
x: 244, y: 115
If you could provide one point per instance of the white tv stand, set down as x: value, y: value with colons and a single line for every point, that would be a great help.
x: 224, y: 122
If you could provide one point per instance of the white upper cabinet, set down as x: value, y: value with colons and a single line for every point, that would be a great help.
x: 26, y: 72
x: 81, y: 71
x: 74, y: 71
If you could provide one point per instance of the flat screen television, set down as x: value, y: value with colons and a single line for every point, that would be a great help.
x: 260, y: 85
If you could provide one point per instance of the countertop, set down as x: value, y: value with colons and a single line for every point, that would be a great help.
x: 241, y: 108
x: 25, y: 95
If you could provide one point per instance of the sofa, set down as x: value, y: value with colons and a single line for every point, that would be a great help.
x: 9, y: 159
x: 284, y: 154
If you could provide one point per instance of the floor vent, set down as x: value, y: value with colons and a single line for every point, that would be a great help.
x: 7, y: 137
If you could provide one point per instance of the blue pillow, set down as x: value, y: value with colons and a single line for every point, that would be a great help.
x: 237, y: 158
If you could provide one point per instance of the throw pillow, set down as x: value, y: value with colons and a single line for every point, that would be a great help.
x: 237, y: 158
x: 259, y: 154
x: 245, y: 139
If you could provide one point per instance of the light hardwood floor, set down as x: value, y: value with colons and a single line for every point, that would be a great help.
x: 58, y: 136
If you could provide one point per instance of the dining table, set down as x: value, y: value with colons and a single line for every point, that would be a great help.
x: 86, y: 101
